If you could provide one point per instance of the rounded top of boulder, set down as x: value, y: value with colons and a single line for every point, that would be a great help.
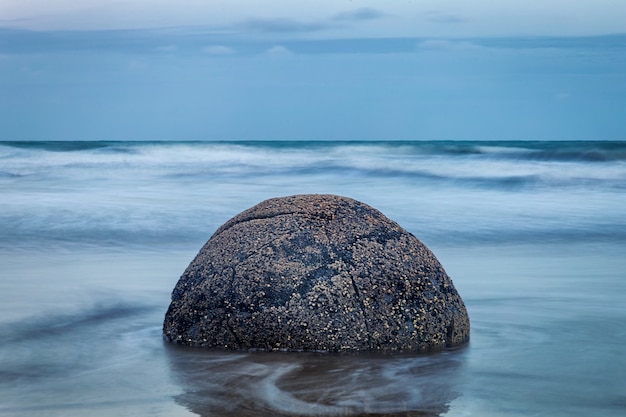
x: 315, y: 272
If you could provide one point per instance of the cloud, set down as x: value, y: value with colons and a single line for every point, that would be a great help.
x: 219, y: 50
x: 279, y: 51
x: 365, y: 13
x: 283, y: 26
x: 437, y: 16
x: 447, y: 44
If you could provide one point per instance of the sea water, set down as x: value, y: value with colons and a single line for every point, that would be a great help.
x: 94, y: 235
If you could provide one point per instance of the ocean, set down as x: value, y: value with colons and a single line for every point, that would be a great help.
x: 94, y: 236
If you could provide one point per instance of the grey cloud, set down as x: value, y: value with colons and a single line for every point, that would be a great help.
x: 365, y: 13
x: 444, y: 17
x: 447, y: 44
x: 283, y: 26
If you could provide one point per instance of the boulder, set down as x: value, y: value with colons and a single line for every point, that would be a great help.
x: 315, y: 273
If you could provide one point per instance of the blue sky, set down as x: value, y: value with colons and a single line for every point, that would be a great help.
x: 353, y: 70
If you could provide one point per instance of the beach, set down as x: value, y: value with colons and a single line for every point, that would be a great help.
x: 96, y: 234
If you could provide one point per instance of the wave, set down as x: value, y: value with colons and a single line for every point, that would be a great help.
x: 58, y: 146
x: 145, y: 194
x: 64, y: 344
x: 590, y: 151
x: 62, y: 324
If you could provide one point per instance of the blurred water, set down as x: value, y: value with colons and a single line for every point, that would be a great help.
x: 150, y: 193
x: 94, y: 236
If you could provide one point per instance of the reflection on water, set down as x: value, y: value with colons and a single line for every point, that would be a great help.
x: 311, y: 384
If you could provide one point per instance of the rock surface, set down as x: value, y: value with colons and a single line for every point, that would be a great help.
x: 315, y: 272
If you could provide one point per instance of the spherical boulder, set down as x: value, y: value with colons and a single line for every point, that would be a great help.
x: 315, y: 273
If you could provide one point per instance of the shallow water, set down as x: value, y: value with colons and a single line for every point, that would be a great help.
x: 95, y: 237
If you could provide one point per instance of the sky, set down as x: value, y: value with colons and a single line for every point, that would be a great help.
x: 312, y: 70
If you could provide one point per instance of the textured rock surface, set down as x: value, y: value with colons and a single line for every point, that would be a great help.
x: 315, y: 272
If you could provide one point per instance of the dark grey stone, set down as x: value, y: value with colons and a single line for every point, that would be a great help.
x: 315, y: 272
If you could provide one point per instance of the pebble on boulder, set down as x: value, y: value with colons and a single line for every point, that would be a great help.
x: 315, y: 273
